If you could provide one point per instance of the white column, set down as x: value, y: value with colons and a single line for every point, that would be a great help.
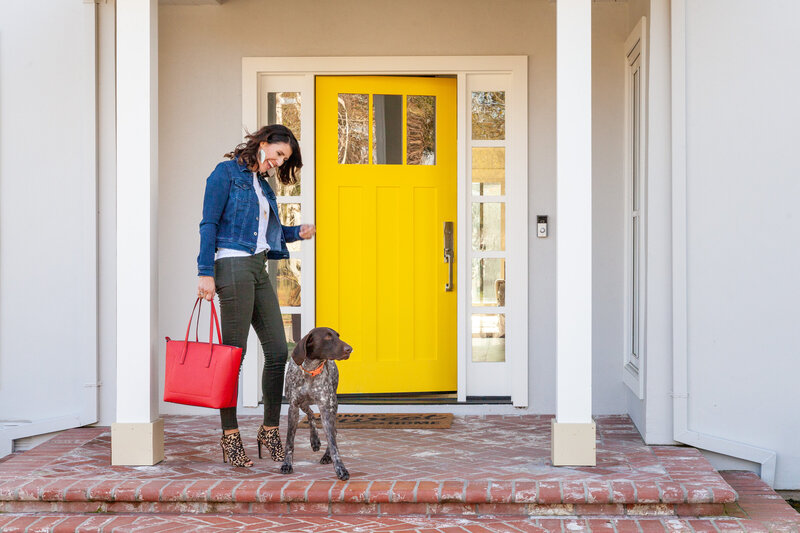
x: 137, y: 437
x: 573, y: 431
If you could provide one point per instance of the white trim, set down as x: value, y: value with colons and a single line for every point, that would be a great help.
x: 633, y: 372
x: 682, y: 432
x: 517, y: 67
x: 11, y: 431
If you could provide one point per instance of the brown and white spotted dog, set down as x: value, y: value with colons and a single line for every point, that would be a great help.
x: 312, y: 379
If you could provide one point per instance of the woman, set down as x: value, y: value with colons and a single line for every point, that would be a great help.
x: 240, y: 230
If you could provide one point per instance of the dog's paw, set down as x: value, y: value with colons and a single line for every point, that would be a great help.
x: 286, y: 468
x: 315, y: 444
x: 341, y: 472
x: 326, y: 459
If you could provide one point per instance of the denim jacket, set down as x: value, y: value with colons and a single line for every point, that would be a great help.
x: 230, y: 217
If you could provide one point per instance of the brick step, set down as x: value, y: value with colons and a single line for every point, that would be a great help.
x: 430, y: 498
x: 57, y: 523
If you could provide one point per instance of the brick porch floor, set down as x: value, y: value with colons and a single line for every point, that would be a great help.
x: 491, y: 472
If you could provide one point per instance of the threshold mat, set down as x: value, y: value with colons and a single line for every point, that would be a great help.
x: 387, y: 420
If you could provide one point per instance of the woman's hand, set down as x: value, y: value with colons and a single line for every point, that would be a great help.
x: 206, y: 287
x: 307, y: 231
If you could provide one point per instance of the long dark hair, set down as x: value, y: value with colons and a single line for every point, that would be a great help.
x: 247, y: 152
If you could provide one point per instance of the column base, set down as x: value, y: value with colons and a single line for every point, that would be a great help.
x: 573, y: 444
x: 137, y: 444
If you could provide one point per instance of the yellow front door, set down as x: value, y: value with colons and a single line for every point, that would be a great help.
x: 385, y: 186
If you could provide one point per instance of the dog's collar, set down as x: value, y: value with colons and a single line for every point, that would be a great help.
x: 316, y: 372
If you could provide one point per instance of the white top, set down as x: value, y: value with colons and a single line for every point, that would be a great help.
x: 263, y: 219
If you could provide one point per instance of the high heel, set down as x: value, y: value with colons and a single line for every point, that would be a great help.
x: 233, y: 449
x: 271, y: 439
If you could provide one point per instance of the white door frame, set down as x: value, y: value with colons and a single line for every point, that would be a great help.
x: 304, y: 70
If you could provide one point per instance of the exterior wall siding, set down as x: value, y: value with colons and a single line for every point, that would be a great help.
x: 200, y: 119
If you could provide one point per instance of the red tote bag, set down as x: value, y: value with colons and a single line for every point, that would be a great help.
x: 202, y: 373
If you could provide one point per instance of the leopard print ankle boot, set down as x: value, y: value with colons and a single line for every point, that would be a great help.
x: 271, y: 439
x: 233, y: 449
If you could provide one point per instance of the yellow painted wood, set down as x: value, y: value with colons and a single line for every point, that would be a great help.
x: 380, y: 261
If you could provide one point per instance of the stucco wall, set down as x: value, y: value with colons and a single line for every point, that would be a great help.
x: 742, y: 224
x: 200, y: 51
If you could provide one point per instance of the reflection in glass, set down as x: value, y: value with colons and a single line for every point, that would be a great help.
x: 421, y: 143
x: 488, y: 115
x: 284, y: 108
x: 289, y: 215
x: 488, y: 282
x: 488, y: 171
x: 291, y: 327
x: 387, y: 129
x: 488, y: 226
x: 284, y: 190
x: 488, y: 338
x: 285, y: 278
x: 353, y: 129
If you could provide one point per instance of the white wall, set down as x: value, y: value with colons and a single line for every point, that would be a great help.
x: 743, y: 186
x: 48, y: 288
x: 200, y: 119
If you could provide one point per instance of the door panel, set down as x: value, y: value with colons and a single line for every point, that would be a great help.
x: 381, y: 273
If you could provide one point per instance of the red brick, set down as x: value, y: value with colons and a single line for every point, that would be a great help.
x: 320, y: 491
x: 699, y: 509
x: 525, y: 491
x: 599, y: 525
x: 247, y: 491
x: 379, y: 491
x: 270, y: 491
x: 125, y: 491
x: 452, y: 492
x: 574, y: 492
x: 723, y: 495
x: 305, y: 508
x: 355, y: 492
x: 8, y: 489
x: 625, y: 525
x: 647, y: 492
x: 174, y: 490
x: 622, y: 492
x: 198, y: 491
x: 598, y: 492
x: 151, y: 490
x: 457, y: 509
x: 650, y: 509
x: 697, y: 493
x: 78, y: 491
x: 70, y: 525
x: 348, y: 508
x: 403, y: 508
x: 671, y: 492
x: 595, y: 509
x: 501, y: 491
x: 44, y: 524
x: 32, y: 489
x: 103, y: 491
x: 223, y: 491
x: 427, y: 492
x: 268, y: 508
x: 549, y: 492
x: 702, y: 526
x: 651, y: 526
x: 550, y: 524
x: 295, y: 491
x: 550, y: 509
x: 511, y: 509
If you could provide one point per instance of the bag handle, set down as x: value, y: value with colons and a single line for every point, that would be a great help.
x: 198, y: 305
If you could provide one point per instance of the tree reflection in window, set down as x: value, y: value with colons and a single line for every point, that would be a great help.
x: 488, y: 115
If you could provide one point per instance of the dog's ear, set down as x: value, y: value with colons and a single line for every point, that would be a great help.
x: 299, y: 352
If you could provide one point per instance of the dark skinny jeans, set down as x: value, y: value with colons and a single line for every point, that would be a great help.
x: 246, y: 297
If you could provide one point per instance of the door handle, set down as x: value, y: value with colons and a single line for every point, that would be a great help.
x: 449, y: 254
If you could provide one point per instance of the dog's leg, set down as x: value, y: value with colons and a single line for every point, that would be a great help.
x: 286, y: 467
x: 328, y: 416
x: 315, y: 444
